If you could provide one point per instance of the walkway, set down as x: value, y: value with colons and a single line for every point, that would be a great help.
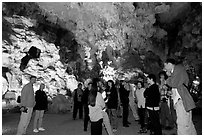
x: 62, y: 124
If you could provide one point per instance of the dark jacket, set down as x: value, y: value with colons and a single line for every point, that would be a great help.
x: 112, y: 98
x: 124, y: 95
x: 177, y: 80
x: 152, y: 96
x: 85, y: 96
x: 77, y: 95
x: 41, y: 100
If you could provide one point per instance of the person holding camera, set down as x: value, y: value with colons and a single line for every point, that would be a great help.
x: 183, y: 102
x: 27, y: 104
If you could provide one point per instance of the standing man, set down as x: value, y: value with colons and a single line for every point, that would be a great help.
x: 85, y: 104
x: 152, y: 96
x: 183, y: 102
x: 78, y: 93
x: 27, y: 104
x: 124, y: 97
x: 132, y: 104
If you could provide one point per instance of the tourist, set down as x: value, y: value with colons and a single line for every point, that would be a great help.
x: 165, y: 112
x: 77, y: 97
x: 124, y: 94
x: 96, y: 106
x: 27, y: 104
x: 152, y: 96
x: 119, y: 108
x: 40, y: 106
x: 106, y: 121
x: 132, y: 103
x: 112, y: 104
x: 183, y: 102
x: 85, y: 104
x: 139, y: 94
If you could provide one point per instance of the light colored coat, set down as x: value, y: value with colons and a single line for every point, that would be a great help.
x: 176, y: 80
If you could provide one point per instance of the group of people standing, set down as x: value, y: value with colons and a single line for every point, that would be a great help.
x: 155, y: 104
x: 160, y: 104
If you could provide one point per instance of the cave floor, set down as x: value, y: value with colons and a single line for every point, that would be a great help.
x: 62, y: 124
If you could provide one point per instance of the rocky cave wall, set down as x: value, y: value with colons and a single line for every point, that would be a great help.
x: 77, y: 40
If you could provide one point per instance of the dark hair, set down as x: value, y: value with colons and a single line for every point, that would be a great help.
x: 95, y: 81
x: 163, y: 73
x: 90, y: 83
x: 111, y: 81
x: 152, y: 76
x: 170, y: 60
x: 140, y: 83
x: 92, y: 96
x: 93, y: 92
x: 32, y: 77
x: 79, y: 84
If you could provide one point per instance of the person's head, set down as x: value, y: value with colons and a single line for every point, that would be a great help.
x: 97, y: 82
x: 32, y: 79
x: 42, y: 86
x: 169, y: 65
x: 151, y: 79
x: 140, y: 84
x: 163, y: 75
x: 90, y: 86
x: 123, y: 82
x: 80, y: 86
x: 110, y: 83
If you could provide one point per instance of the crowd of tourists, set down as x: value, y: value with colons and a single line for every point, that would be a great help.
x: 155, y: 104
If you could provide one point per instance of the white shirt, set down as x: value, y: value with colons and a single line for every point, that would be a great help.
x: 96, y: 112
x: 140, y: 98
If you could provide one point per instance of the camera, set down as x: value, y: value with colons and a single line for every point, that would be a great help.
x: 24, y: 109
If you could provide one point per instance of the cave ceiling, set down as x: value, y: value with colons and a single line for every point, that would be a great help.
x: 123, y: 33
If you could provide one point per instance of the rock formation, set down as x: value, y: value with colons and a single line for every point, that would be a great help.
x: 80, y: 40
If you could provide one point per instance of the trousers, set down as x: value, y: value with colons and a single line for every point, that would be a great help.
x: 78, y: 106
x: 112, y: 113
x: 38, y: 119
x: 184, y: 121
x: 86, y: 116
x: 96, y: 127
x: 125, y: 113
x: 24, y: 121
x: 134, y: 108
x: 155, y: 125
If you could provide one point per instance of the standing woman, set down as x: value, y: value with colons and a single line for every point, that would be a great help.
x: 40, y: 107
x: 112, y: 104
x: 96, y: 106
x: 141, y: 105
